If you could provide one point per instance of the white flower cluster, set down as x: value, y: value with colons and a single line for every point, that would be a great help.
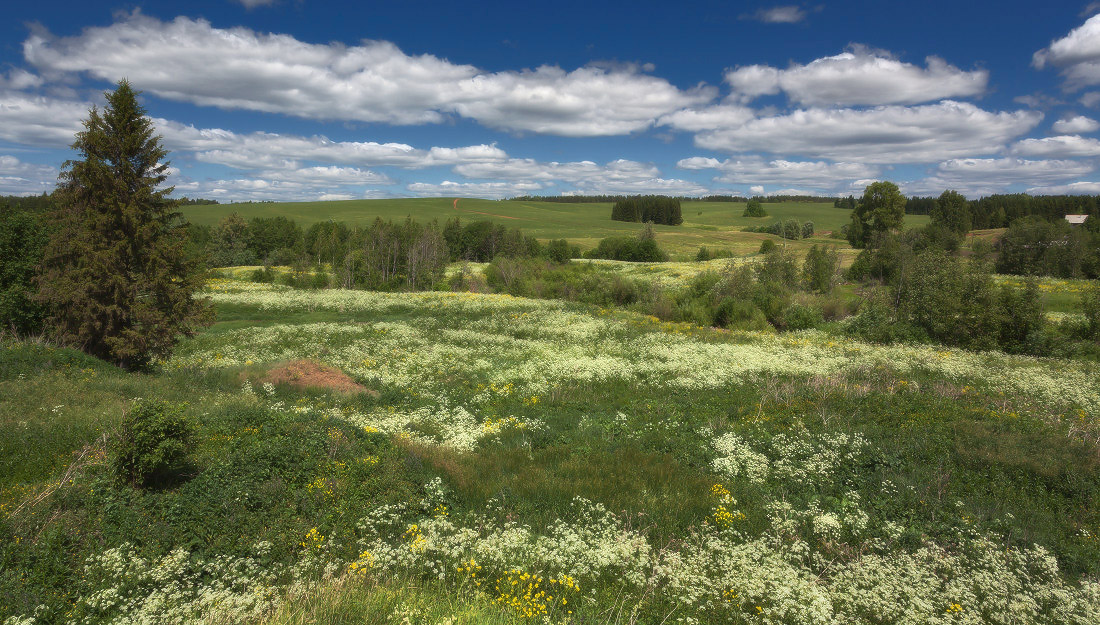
x: 536, y: 345
x: 800, y: 457
x: 177, y: 588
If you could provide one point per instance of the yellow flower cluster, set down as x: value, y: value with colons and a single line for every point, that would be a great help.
x: 531, y: 401
x: 470, y: 568
x: 313, y: 539
x: 725, y: 518
x: 417, y: 542
x: 529, y: 598
x: 362, y: 563
x: 495, y: 426
x: 721, y: 493
x: 954, y: 608
x: 321, y: 486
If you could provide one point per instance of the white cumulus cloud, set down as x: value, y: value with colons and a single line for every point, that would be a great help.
x: 1076, y: 124
x: 491, y: 190
x: 1063, y: 146
x: 757, y: 171
x: 1077, y: 54
x: 784, y: 14
x: 886, y: 134
x: 1073, y: 188
x: 859, y: 77
x: 238, y: 68
x: 21, y: 178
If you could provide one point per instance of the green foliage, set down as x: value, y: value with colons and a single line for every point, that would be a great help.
x: 639, y: 249
x: 880, y: 210
x: 153, y: 445
x: 231, y: 243
x: 952, y: 211
x: 950, y: 301
x: 766, y: 246
x: 705, y: 254
x: 23, y: 237
x: 754, y: 209
x: 819, y: 269
x: 275, y: 240
x: 1090, y: 305
x: 1035, y: 246
x: 116, y: 273
x: 409, y: 255
x: 648, y: 209
x: 559, y: 251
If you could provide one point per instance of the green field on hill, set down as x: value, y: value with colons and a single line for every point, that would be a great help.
x: 716, y: 225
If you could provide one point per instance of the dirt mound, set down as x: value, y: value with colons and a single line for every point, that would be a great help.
x: 309, y: 374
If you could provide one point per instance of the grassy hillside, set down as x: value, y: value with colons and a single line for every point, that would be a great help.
x: 505, y: 459
x: 714, y: 224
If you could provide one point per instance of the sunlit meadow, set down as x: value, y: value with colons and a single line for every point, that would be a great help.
x: 517, y: 460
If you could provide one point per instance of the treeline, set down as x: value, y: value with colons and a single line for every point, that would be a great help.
x: 568, y: 199
x: 655, y: 209
x: 999, y: 211
x: 35, y: 203
x: 786, y: 228
x: 591, y: 199
x: 281, y: 241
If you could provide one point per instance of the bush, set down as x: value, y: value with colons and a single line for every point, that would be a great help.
x: 877, y: 323
x: 819, y: 269
x: 1090, y: 305
x: 766, y: 246
x: 807, y: 229
x: 802, y: 317
x: 153, y: 444
x: 558, y: 251
x: 264, y: 275
x: 739, y: 314
x: 640, y: 249
x: 754, y: 209
x: 23, y: 237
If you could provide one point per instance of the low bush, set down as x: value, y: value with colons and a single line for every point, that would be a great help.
x: 152, y: 445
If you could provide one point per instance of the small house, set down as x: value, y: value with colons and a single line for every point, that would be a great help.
x: 1076, y: 220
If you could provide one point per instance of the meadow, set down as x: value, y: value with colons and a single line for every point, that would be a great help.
x: 506, y: 460
x: 717, y: 225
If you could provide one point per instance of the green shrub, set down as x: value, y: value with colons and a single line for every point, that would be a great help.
x: 23, y: 236
x: 766, y: 246
x: 153, y: 444
x: 754, y: 209
x: 739, y: 314
x: 264, y: 274
x: 1090, y: 304
x: 802, y: 317
x: 819, y: 269
x: 558, y: 251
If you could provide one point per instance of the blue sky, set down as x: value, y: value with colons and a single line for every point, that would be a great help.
x: 305, y: 100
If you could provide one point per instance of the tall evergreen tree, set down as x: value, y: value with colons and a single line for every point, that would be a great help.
x: 116, y: 273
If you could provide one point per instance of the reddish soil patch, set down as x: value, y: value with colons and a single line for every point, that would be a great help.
x: 309, y: 374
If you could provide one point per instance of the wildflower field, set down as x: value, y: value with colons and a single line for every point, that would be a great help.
x: 510, y: 460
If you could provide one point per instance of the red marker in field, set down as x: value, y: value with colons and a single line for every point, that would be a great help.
x: 456, y: 203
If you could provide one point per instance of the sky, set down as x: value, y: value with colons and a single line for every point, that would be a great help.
x: 306, y: 100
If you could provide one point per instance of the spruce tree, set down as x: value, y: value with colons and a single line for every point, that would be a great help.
x: 116, y: 274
